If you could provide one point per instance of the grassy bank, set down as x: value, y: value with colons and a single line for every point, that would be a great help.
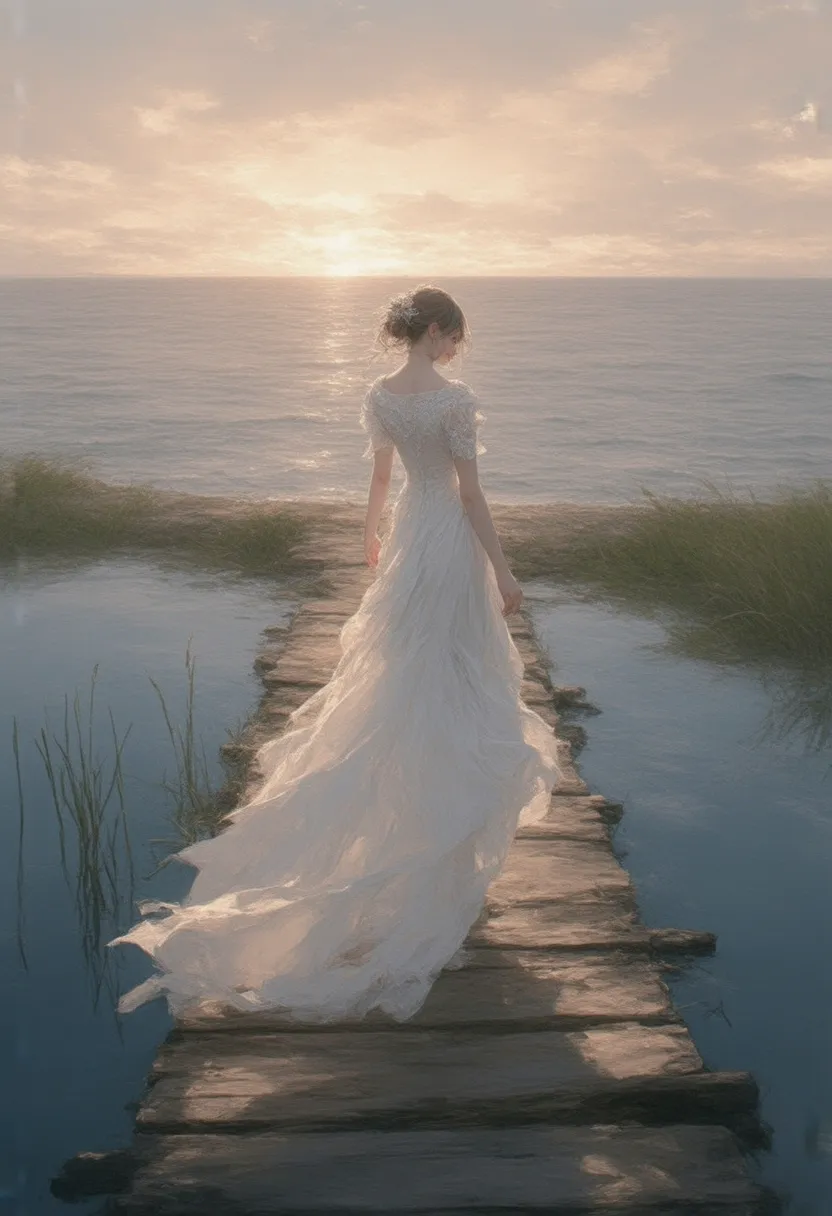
x: 752, y: 579
x: 749, y: 579
x: 49, y: 507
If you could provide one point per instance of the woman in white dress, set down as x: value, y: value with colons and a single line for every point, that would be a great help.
x: 392, y: 796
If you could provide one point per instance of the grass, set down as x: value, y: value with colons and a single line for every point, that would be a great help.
x: 95, y: 843
x: 198, y: 808
x: 52, y: 507
x: 81, y: 793
x: 748, y: 580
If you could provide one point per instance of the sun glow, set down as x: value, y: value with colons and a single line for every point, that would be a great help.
x: 346, y: 253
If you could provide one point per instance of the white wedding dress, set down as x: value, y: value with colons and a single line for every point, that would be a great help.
x: 391, y: 798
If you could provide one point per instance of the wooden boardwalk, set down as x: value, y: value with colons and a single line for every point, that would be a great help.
x: 549, y: 1073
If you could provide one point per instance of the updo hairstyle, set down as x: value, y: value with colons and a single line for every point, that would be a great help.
x: 407, y: 317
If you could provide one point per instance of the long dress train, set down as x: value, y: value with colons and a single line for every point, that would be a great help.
x: 392, y: 796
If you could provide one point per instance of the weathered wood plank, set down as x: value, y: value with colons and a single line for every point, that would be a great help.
x: 309, y: 629
x: 530, y: 1169
x: 423, y: 1060
x: 582, y: 923
x: 728, y: 1098
x: 540, y: 870
x: 302, y: 662
x: 570, y: 783
x: 535, y: 693
x: 506, y: 990
x: 306, y: 679
x: 435, y: 1078
x: 576, y: 817
x: 338, y: 607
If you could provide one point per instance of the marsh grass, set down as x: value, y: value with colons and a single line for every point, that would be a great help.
x: 103, y: 858
x: 197, y: 806
x: 94, y: 839
x: 746, y: 580
x: 53, y: 507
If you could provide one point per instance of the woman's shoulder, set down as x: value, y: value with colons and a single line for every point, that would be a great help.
x: 455, y: 388
x: 463, y: 386
x: 462, y: 394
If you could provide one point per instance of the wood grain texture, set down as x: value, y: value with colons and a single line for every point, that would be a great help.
x: 539, y: 870
x: 503, y: 989
x: 530, y: 1169
x: 407, y: 1077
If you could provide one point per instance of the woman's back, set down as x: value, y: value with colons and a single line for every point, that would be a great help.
x: 428, y: 428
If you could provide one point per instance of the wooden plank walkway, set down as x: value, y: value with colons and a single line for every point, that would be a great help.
x: 547, y: 1073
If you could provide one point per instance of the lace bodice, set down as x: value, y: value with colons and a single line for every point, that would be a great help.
x: 428, y: 429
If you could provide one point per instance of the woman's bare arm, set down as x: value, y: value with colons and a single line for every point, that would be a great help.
x: 476, y: 508
x: 376, y: 498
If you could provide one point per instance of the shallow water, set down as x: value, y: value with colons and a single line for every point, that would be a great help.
x: 727, y: 829
x: 721, y: 832
x: 73, y: 1067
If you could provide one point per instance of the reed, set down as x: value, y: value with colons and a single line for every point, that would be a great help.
x: 96, y: 851
x: 196, y: 809
x: 103, y: 857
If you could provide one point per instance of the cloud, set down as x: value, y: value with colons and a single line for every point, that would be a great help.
x: 324, y: 136
x: 168, y: 117
x: 807, y: 172
x: 758, y: 9
x: 631, y: 71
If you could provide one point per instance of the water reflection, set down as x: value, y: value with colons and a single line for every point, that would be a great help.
x: 98, y: 837
x: 72, y: 1069
x: 799, y: 697
x: 104, y: 877
x: 342, y: 334
x: 724, y: 829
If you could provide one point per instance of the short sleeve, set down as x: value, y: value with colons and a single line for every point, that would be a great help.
x: 460, y: 424
x: 378, y: 435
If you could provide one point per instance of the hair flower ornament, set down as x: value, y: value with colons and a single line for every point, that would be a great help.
x: 403, y: 309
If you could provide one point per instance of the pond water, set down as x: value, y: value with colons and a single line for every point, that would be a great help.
x: 721, y: 831
x: 73, y: 1065
x: 726, y: 828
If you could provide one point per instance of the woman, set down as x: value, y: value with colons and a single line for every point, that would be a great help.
x: 391, y: 798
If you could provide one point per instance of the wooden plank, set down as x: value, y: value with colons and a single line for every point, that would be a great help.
x: 581, y: 921
x: 580, y: 925
x: 304, y: 661
x: 421, y: 1058
x: 576, y: 817
x: 306, y: 679
x: 535, y: 693
x: 537, y: 871
x: 500, y: 990
x: 409, y: 1077
x: 338, y: 607
x: 310, y: 628
x: 729, y: 1098
x: 530, y: 1169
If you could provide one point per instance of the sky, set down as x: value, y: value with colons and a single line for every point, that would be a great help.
x: 416, y: 137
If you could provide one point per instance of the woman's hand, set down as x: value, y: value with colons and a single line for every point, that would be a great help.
x: 372, y: 546
x: 510, y: 590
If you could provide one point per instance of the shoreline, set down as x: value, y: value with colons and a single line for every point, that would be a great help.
x: 517, y: 523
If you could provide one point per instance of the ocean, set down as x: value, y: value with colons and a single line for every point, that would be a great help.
x: 592, y: 388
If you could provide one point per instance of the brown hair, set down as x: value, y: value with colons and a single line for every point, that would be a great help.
x: 431, y: 304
